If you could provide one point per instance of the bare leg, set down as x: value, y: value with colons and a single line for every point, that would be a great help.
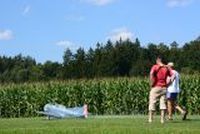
x: 179, y: 109
x: 150, y: 116
x: 183, y: 112
x: 162, y: 116
x: 170, y: 108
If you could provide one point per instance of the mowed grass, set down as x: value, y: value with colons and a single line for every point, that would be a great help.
x: 100, y: 125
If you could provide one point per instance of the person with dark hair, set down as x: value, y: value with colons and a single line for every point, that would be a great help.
x: 158, y: 79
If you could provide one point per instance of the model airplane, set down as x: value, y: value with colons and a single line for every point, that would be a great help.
x: 60, y: 111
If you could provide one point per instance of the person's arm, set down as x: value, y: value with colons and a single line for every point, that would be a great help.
x: 172, y: 76
x: 152, y: 79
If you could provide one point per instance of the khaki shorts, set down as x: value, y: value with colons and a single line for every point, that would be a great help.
x: 157, y: 93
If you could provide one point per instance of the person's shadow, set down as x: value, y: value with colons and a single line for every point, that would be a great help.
x: 183, y: 121
x: 191, y: 120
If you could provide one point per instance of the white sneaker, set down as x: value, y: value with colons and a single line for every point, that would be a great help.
x: 162, y: 121
x: 150, y: 120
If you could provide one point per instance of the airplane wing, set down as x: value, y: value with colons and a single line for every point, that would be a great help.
x: 49, y: 114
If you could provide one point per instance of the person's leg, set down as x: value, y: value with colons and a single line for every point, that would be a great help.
x: 170, y: 108
x: 183, y: 112
x: 152, y: 101
x: 85, y: 110
x: 177, y: 106
x: 150, y: 116
x: 162, y: 105
x: 162, y: 116
x: 179, y: 109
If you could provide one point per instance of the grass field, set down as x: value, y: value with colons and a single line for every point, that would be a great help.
x: 99, y: 125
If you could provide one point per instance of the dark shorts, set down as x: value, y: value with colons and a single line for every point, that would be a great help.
x: 172, y: 96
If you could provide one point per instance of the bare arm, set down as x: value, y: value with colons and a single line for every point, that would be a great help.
x: 152, y: 79
x: 172, y: 78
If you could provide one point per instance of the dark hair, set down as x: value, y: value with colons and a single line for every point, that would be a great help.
x: 162, y: 58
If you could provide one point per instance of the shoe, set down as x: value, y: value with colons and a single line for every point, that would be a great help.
x: 184, y: 115
x: 150, y: 120
x: 169, y: 119
x: 162, y: 120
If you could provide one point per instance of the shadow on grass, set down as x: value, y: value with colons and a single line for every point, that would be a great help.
x: 188, y: 120
x: 184, y: 121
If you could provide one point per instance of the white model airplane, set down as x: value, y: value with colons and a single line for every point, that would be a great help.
x: 60, y: 111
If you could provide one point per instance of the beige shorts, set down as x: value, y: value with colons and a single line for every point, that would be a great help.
x: 157, y: 93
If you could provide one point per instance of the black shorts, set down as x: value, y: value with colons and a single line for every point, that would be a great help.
x: 172, y: 96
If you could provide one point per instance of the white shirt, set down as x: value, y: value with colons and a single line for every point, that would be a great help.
x: 174, y: 86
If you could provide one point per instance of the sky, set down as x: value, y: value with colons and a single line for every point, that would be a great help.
x: 43, y: 29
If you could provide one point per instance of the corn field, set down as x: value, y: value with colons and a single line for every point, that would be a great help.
x: 119, y: 96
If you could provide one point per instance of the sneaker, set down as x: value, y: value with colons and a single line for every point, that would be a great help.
x: 184, y: 115
x: 150, y: 121
x: 162, y: 121
x: 169, y: 119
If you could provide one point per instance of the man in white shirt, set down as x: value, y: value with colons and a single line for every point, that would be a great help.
x: 172, y: 92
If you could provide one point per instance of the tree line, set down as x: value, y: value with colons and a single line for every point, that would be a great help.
x: 111, y: 59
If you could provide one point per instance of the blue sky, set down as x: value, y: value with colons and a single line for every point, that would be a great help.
x: 43, y: 29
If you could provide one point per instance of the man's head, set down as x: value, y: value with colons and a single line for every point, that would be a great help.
x: 159, y: 59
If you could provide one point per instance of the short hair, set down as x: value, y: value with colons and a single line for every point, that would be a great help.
x: 162, y: 58
x: 159, y: 57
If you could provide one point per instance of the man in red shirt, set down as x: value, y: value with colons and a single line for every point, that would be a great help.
x: 158, y: 78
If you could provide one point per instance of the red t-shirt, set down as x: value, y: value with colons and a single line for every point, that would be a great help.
x: 160, y: 74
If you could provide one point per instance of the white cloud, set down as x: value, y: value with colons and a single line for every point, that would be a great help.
x: 178, y: 3
x: 67, y: 44
x: 99, y: 2
x: 122, y: 33
x: 6, y: 34
x: 26, y: 10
